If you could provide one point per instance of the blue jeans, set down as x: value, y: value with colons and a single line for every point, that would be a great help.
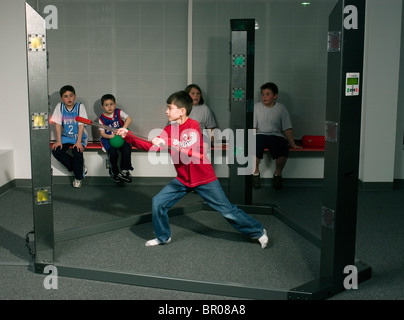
x: 214, y: 196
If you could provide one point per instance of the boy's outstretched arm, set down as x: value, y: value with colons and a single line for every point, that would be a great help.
x: 156, y: 144
x: 133, y: 140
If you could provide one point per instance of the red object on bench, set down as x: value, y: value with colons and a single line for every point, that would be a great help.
x: 93, y: 145
x: 313, y: 141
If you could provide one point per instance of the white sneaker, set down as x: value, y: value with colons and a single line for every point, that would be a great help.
x: 264, y: 240
x: 155, y: 242
x: 76, y: 183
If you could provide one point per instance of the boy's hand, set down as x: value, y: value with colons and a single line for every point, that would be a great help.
x: 122, y: 132
x: 158, y: 142
x: 55, y: 145
x: 79, y: 146
x: 295, y: 146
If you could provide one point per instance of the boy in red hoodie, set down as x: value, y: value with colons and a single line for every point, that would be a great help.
x: 193, y: 173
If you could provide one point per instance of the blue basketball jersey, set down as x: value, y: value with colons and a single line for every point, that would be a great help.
x: 70, y: 125
x: 115, y: 122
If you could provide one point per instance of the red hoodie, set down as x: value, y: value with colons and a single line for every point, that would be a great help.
x: 191, y: 171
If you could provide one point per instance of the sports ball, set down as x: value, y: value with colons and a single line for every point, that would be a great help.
x: 116, y: 141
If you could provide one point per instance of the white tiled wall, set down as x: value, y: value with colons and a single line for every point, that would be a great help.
x: 135, y: 50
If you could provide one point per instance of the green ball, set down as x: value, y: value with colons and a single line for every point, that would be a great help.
x: 116, y: 141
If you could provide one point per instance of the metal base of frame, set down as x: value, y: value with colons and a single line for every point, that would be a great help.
x: 316, y: 289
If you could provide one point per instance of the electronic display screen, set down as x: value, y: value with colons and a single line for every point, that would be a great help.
x: 352, y: 81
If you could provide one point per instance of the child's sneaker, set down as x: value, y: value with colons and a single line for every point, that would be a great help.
x: 256, y: 181
x: 277, y: 182
x: 263, y: 240
x: 156, y: 242
x: 77, y: 183
x: 125, y: 176
x: 115, y: 177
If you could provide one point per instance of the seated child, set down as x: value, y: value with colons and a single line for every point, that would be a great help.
x: 70, y: 134
x: 115, y: 118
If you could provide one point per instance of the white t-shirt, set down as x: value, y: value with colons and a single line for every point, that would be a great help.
x: 204, y: 116
x: 57, y: 115
x: 271, y: 120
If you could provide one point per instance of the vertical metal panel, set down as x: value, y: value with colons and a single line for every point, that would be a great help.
x: 342, y: 153
x: 39, y: 136
x: 241, y: 102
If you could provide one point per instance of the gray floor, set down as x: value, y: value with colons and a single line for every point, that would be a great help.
x: 204, y: 247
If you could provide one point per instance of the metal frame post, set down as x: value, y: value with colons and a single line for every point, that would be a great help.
x: 343, y: 126
x: 39, y: 136
x: 241, y: 104
x: 341, y: 162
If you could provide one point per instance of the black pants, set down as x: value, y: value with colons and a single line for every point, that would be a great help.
x: 113, y: 156
x: 278, y: 146
x: 74, y: 162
